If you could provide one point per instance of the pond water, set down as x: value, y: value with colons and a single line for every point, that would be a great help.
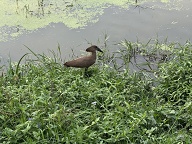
x: 43, y: 24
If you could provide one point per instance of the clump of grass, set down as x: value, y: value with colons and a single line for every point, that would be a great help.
x: 176, y: 76
x: 52, y: 104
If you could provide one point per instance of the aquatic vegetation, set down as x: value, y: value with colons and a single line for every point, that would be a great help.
x: 43, y: 102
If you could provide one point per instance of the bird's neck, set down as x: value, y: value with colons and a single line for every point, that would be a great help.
x: 93, y: 54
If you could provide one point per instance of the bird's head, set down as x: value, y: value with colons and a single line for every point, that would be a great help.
x: 93, y: 48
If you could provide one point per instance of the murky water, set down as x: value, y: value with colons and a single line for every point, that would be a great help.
x: 120, y: 20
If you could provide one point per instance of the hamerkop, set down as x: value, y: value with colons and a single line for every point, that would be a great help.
x: 86, y: 61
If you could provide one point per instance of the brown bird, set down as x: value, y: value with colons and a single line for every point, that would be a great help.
x: 86, y: 61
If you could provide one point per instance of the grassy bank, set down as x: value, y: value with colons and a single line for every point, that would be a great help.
x: 43, y: 102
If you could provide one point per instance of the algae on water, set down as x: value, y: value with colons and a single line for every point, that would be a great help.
x: 19, y: 16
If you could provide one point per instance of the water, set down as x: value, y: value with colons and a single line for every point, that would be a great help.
x: 146, y: 21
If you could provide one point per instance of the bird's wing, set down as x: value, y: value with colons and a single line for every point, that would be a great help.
x: 80, y: 62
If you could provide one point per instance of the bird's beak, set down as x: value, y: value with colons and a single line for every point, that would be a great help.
x: 98, y: 49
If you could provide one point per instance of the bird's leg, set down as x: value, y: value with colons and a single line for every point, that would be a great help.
x: 85, y: 73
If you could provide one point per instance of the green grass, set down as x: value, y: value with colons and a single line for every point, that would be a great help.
x: 43, y: 102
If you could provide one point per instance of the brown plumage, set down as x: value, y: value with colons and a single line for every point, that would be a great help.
x: 86, y: 61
